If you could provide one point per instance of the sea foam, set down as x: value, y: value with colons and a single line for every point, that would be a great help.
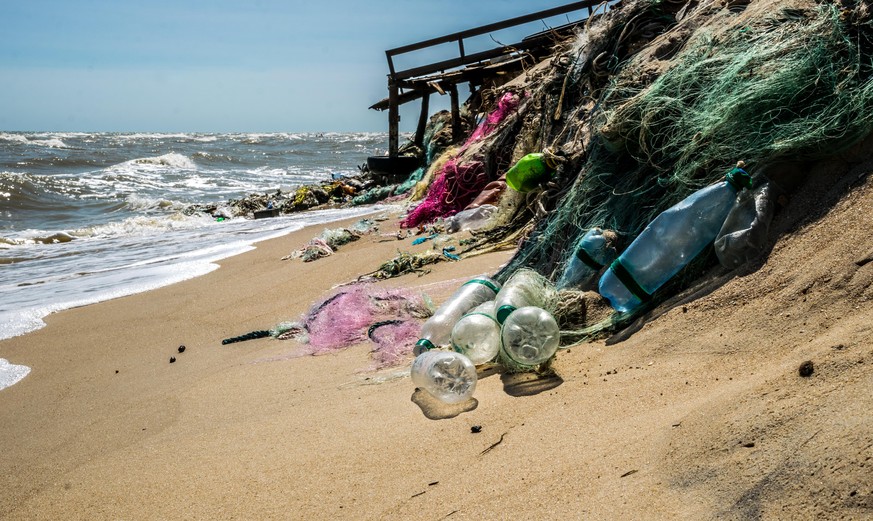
x: 173, y: 160
x: 11, y: 374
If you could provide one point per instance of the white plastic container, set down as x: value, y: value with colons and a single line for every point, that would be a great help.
x: 471, y: 219
x: 477, y: 334
x: 530, y: 336
x: 437, y: 330
x: 448, y: 376
x: 670, y: 242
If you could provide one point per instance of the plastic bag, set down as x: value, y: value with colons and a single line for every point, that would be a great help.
x: 471, y: 219
x: 743, y: 236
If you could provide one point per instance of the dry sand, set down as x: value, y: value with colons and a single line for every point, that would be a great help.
x: 696, y: 412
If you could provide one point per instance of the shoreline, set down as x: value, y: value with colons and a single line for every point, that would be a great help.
x: 681, y: 416
x: 33, y: 319
x: 101, y: 381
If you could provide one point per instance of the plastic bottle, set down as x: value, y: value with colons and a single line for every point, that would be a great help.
x: 743, y: 236
x: 593, y: 252
x: 670, y: 242
x: 525, y: 287
x: 438, y: 328
x: 477, y: 334
x: 471, y: 219
x: 530, y: 336
x: 450, y: 377
x: 530, y: 170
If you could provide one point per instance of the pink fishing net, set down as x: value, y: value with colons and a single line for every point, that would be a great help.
x: 458, y: 183
x: 390, y: 317
x: 455, y: 187
x: 507, y: 104
x: 394, y: 341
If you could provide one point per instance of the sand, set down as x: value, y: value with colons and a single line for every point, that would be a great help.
x: 697, y: 411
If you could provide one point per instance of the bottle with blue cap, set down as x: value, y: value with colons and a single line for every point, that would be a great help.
x: 437, y: 330
x: 672, y: 240
x: 595, y: 250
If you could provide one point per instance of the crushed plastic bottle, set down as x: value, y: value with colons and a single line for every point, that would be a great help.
x: 471, y: 219
x: 743, y: 236
x: 530, y: 336
x: 529, y: 172
x: 525, y: 287
x: 437, y: 330
x: 477, y: 334
x: 448, y: 376
x: 670, y: 242
x: 592, y: 253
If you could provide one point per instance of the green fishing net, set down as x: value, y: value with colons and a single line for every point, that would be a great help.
x: 763, y: 87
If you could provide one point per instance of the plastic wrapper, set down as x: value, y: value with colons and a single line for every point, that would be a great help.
x: 743, y: 237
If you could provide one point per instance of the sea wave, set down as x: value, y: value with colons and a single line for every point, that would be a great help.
x: 137, y: 202
x: 15, y: 138
x: 29, y: 191
x: 142, y: 225
x: 47, y: 141
x: 173, y: 160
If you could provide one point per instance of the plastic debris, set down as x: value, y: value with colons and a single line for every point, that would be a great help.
x: 743, y: 236
x: 670, y: 242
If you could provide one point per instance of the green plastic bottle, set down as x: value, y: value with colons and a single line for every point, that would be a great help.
x: 529, y: 172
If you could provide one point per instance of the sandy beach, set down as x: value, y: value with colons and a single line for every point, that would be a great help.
x: 695, y: 412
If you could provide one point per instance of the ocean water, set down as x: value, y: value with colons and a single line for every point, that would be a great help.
x: 86, y: 217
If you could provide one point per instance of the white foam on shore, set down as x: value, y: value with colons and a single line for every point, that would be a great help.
x: 11, y: 374
x: 141, y: 265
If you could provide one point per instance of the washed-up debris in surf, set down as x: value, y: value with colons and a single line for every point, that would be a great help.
x: 332, y: 238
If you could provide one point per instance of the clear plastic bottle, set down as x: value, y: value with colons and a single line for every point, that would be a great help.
x: 530, y: 336
x: 525, y: 287
x: 477, y: 334
x: 450, y: 377
x: 669, y: 242
x: 471, y: 219
x: 438, y: 328
x: 592, y: 253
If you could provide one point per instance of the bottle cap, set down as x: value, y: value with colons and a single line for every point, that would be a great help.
x: 423, y: 345
x: 503, y: 312
x: 738, y: 178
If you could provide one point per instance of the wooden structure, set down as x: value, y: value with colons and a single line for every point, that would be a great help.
x: 444, y: 76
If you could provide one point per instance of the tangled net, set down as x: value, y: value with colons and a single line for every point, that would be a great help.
x: 765, y: 87
x: 464, y: 176
x: 389, y: 317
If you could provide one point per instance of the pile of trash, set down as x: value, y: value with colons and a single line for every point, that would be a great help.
x: 331, y: 239
x: 623, y: 140
x: 512, y: 326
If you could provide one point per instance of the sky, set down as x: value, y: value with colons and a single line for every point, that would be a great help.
x: 224, y: 66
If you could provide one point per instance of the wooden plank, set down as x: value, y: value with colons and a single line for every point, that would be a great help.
x: 422, y: 120
x: 575, y: 6
x: 524, y: 45
x: 393, y: 119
